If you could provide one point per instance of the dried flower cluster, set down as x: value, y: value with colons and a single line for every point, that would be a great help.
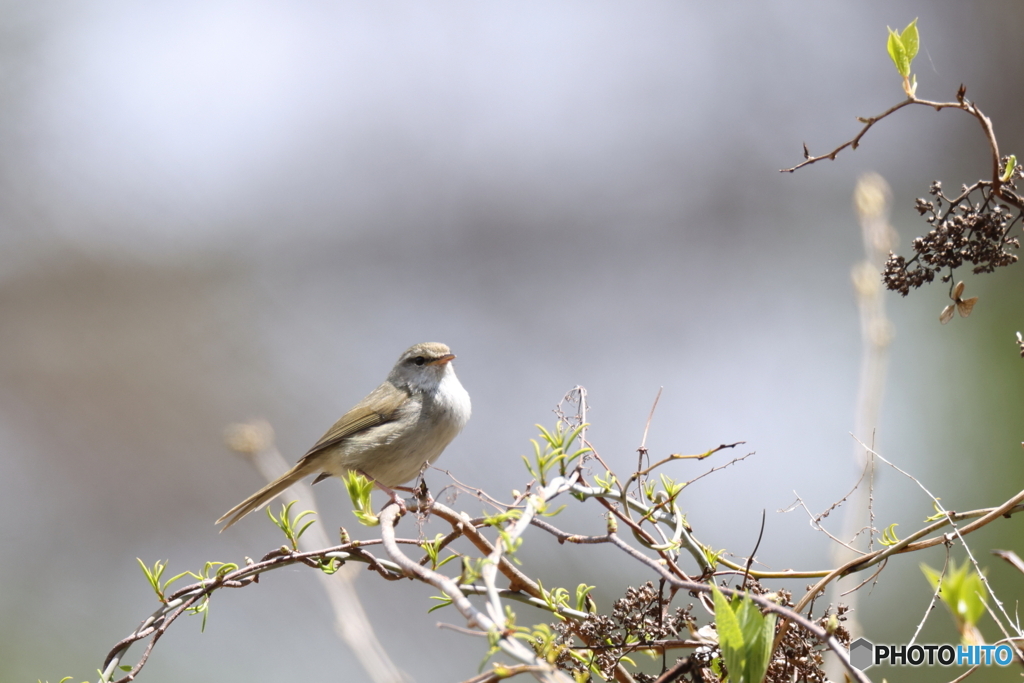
x: 972, y: 228
x: 639, y: 618
x: 802, y: 655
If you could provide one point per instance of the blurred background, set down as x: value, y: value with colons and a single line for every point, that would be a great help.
x: 217, y: 211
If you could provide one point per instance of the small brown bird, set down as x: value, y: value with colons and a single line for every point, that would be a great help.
x: 389, y: 436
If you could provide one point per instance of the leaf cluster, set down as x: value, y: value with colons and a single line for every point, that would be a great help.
x: 902, y: 47
x: 360, y: 490
x: 963, y: 591
x: 555, y: 452
x: 292, y: 527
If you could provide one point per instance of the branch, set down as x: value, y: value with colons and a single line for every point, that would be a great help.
x: 963, y: 104
x: 185, y: 598
x: 852, y: 144
x: 500, y: 636
x: 679, y: 456
x: 492, y: 619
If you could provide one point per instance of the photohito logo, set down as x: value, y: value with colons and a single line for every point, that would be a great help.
x: 864, y: 653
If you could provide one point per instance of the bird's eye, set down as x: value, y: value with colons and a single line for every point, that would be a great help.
x: 419, y: 360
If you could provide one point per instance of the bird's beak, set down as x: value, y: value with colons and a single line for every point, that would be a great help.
x: 446, y: 358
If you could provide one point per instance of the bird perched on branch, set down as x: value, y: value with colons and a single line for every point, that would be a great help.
x: 390, y: 436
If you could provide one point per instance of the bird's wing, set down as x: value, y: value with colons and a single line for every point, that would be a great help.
x: 379, y: 407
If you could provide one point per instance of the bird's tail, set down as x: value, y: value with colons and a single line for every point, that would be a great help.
x: 265, y: 494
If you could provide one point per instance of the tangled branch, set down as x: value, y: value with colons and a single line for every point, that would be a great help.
x: 583, y: 639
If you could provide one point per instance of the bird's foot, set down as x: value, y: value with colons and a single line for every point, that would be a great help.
x: 423, y: 496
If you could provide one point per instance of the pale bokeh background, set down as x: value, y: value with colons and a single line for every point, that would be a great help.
x: 214, y: 211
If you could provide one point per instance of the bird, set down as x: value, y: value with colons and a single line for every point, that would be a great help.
x: 390, y: 436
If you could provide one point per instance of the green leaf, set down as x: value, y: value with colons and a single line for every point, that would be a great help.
x: 963, y: 592
x: 889, y: 535
x: 360, y: 490
x: 153, y: 575
x: 174, y: 578
x: 444, y: 600
x: 331, y: 566
x: 711, y: 556
x: 582, y: 591
x: 555, y: 452
x: 431, y: 548
x: 902, y: 47
x: 1011, y: 164
x: 671, y: 487
x: 898, y: 54
x: 744, y: 637
x: 366, y: 518
x: 530, y: 467
x: 445, y: 561
x: 911, y: 41
x: 758, y: 632
x: 730, y: 635
x: 303, y: 528
x: 288, y: 524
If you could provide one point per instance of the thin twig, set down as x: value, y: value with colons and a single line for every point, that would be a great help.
x: 641, y: 452
x: 679, y: 456
x: 750, y: 560
x: 931, y: 603
x: 956, y: 530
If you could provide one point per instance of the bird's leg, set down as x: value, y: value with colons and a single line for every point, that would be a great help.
x: 423, y: 496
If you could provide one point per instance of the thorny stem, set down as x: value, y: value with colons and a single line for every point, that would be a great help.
x: 963, y: 104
